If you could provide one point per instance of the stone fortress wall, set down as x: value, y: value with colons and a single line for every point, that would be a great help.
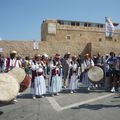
x: 61, y: 36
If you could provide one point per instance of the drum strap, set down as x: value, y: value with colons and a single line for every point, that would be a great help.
x: 15, y: 62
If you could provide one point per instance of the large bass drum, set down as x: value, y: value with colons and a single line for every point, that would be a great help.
x: 9, y: 87
x: 95, y: 74
x: 17, y: 73
x: 25, y: 83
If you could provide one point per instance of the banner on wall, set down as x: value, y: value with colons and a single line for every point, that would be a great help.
x: 35, y: 45
x: 1, y: 49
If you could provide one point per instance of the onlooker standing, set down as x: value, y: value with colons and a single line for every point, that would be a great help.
x: 2, y: 63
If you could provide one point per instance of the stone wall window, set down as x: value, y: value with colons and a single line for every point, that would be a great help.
x: 100, y: 39
x: 101, y: 26
x: 77, y: 24
x: 73, y: 23
x: 68, y: 37
x: 81, y: 24
x: 85, y: 24
x: 89, y: 25
x: 61, y: 22
x: 98, y: 25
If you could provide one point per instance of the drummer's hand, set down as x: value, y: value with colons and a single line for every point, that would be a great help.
x: 91, y: 66
x: 88, y: 67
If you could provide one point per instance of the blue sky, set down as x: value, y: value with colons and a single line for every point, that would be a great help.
x: 21, y: 19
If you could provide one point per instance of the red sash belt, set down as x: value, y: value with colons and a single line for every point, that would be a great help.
x: 74, y: 71
x: 38, y: 74
x: 55, y: 72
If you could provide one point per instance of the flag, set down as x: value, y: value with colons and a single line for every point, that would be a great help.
x: 1, y: 49
x: 35, y: 45
x: 109, y: 27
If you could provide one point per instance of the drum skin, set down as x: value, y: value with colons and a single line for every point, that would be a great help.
x: 9, y: 87
x: 17, y: 73
x: 95, y: 74
x: 25, y: 83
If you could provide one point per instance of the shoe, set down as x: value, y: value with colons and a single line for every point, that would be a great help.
x: 34, y: 97
x: 15, y: 100
x: 64, y: 87
x: 57, y: 94
x: 71, y: 91
x: 19, y: 93
x: 52, y: 95
x: 113, y: 89
x: 74, y: 91
x: 96, y: 86
x: 42, y: 96
x: 88, y: 88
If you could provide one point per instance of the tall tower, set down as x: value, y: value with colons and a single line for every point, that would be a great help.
x: 48, y: 29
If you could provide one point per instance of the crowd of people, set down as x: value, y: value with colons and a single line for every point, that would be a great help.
x: 64, y: 72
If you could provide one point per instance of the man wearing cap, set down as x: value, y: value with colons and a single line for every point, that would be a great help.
x: 87, y: 63
x: 73, y: 78
x: 55, y: 82
x: 66, y: 68
x: 111, y: 72
x: 116, y: 75
x: 13, y: 59
x: 38, y: 86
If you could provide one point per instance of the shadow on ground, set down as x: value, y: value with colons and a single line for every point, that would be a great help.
x: 1, y: 112
x: 25, y: 96
x: 5, y: 103
x: 116, y: 98
x: 95, y: 107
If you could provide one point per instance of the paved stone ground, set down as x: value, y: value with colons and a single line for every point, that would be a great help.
x: 83, y: 105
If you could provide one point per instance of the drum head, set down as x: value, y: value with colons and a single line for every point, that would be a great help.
x: 9, y: 87
x: 95, y: 74
x: 17, y: 73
